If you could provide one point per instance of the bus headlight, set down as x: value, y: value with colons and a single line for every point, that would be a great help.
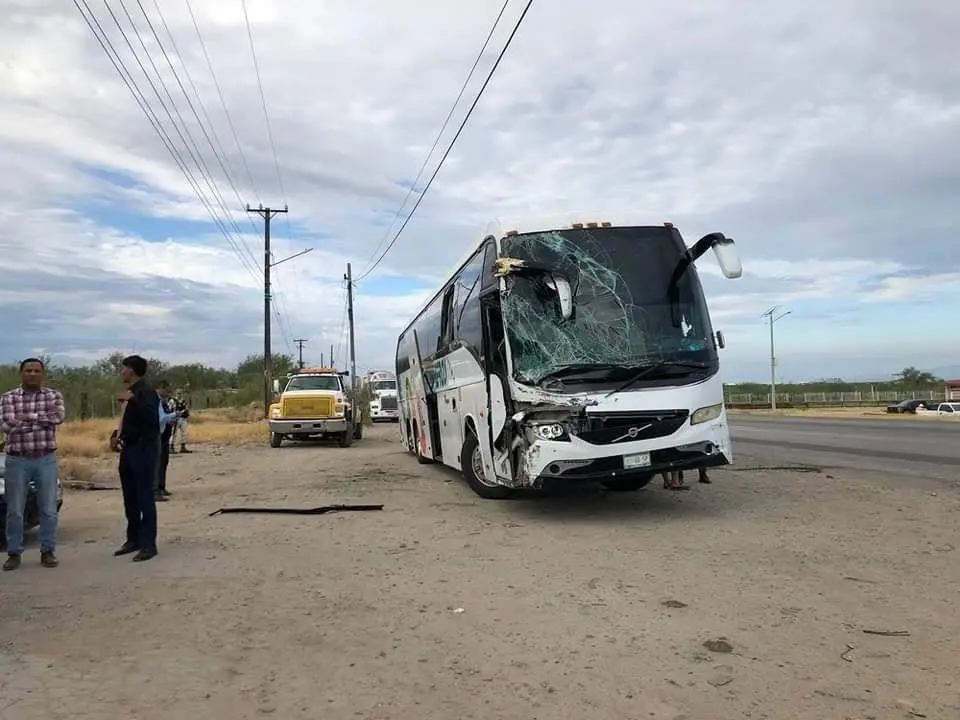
x: 706, y: 414
x: 549, y: 431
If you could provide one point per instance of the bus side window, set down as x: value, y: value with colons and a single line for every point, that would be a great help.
x: 497, y: 342
x: 489, y: 258
x: 446, y: 320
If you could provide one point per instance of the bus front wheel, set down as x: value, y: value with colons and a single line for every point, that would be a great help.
x: 471, y: 462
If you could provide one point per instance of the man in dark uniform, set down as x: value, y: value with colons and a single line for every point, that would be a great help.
x: 139, y: 456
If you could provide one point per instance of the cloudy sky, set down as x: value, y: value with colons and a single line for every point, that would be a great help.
x: 824, y: 137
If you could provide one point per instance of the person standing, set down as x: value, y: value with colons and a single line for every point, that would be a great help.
x: 29, y: 416
x: 139, y: 458
x: 181, y: 426
x: 168, y: 419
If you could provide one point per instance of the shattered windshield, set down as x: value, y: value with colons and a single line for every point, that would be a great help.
x: 622, y: 313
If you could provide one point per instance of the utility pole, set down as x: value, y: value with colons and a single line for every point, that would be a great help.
x: 332, y: 359
x: 772, y: 317
x: 299, y: 342
x: 321, y: 360
x: 267, y: 214
x: 353, y: 348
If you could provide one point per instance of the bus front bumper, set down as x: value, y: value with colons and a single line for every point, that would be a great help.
x: 574, y: 460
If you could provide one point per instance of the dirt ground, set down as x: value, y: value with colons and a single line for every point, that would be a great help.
x: 748, y: 598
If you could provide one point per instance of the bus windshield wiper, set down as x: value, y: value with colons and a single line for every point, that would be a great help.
x: 659, y: 367
x: 580, y: 369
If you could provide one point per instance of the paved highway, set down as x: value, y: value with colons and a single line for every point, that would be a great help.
x: 914, y: 446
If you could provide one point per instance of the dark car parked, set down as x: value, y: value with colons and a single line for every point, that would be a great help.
x: 908, y: 406
x: 31, y: 513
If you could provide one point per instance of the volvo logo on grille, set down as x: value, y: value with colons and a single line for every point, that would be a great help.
x: 632, y: 433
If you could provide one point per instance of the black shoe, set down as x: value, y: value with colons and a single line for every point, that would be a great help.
x: 12, y: 563
x: 166, y: 493
x: 126, y: 549
x: 145, y: 555
x: 160, y: 497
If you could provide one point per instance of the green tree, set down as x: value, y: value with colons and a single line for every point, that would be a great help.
x: 914, y: 378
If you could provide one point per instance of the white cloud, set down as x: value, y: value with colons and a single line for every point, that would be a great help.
x: 830, y: 158
x: 892, y: 289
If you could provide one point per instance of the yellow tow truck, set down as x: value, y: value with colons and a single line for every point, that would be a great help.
x: 314, y: 404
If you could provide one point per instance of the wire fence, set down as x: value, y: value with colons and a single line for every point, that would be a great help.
x: 840, y: 399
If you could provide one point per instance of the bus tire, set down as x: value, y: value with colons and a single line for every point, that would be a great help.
x: 627, y: 484
x: 468, y: 456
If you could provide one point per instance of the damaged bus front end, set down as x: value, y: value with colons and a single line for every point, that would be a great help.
x: 591, y: 358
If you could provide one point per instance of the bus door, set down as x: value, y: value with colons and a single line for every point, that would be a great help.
x: 446, y: 387
x: 495, y: 355
x: 423, y: 408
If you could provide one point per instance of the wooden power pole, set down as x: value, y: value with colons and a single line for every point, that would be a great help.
x: 353, y: 348
x: 299, y: 342
x: 267, y: 214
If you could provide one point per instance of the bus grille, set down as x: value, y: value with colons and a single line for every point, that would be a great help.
x: 610, y: 428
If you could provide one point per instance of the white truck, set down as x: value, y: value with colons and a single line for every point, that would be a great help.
x: 383, y: 405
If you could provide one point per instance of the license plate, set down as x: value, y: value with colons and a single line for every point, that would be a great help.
x: 637, y: 460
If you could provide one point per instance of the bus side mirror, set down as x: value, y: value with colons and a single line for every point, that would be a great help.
x: 728, y: 258
x: 564, y: 292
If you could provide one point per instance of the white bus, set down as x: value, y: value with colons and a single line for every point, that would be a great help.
x: 583, y: 353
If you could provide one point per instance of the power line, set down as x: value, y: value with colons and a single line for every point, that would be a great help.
x: 263, y: 99
x: 436, y: 141
x: 453, y: 142
x: 273, y: 144
x: 215, y: 145
x: 126, y: 77
x: 223, y: 102
x: 193, y: 152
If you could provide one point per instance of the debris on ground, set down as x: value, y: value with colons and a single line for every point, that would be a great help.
x: 323, y: 510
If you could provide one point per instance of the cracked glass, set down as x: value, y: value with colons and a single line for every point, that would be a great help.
x: 622, y: 313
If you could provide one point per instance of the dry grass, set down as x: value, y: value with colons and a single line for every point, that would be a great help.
x: 225, y: 426
x: 77, y: 470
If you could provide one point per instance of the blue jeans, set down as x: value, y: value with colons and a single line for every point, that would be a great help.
x: 19, y: 472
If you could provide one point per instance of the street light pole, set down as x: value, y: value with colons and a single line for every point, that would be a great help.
x: 772, y: 317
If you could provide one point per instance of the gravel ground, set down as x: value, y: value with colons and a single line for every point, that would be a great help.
x: 748, y: 598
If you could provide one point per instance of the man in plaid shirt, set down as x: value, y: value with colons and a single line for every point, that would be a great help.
x: 29, y: 416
